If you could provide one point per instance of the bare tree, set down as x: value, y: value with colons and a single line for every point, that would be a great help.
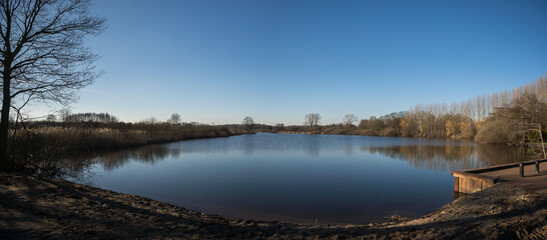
x: 349, y: 119
x: 42, y: 56
x: 278, y: 127
x: 312, y: 119
x: 175, y: 119
x: 150, y: 120
x: 64, y: 114
x: 91, y: 117
x: 51, y: 118
x: 248, y: 122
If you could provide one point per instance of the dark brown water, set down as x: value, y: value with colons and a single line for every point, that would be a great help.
x: 299, y: 178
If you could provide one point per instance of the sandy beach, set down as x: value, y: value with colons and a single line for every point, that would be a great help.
x: 37, y: 208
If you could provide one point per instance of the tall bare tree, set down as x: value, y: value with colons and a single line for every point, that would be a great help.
x: 248, y: 122
x: 42, y: 56
x: 174, y: 119
x: 349, y: 119
x: 312, y: 119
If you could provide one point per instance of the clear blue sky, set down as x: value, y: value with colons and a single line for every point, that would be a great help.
x: 276, y: 61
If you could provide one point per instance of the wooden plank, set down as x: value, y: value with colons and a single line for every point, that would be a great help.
x: 474, y: 176
x: 500, y: 167
x: 468, y: 181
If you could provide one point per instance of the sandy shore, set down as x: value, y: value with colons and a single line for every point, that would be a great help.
x: 36, y: 208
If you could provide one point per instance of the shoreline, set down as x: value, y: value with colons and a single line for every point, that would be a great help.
x: 366, y: 135
x: 34, y: 207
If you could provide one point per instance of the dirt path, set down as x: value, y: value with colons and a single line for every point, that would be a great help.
x: 32, y: 208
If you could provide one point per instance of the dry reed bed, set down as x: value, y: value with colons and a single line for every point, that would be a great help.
x: 44, y: 145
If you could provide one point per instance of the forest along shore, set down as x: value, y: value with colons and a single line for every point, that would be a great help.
x: 34, y: 207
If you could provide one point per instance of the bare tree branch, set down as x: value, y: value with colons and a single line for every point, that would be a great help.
x: 42, y: 57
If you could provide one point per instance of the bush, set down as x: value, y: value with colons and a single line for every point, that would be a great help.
x: 368, y: 132
x: 497, y: 131
x: 389, y: 132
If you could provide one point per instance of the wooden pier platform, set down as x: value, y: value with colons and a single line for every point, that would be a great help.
x: 473, y: 180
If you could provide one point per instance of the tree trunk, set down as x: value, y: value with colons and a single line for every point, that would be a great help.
x: 5, y: 162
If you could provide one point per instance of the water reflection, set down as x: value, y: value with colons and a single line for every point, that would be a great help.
x: 419, y: 153
x: 248, y: 144
x: 296, y: 177
x: 148, y: 154
x: 498, y: 153
x: 451, y: 156
x: 348, y: 150
x: 312, y: 145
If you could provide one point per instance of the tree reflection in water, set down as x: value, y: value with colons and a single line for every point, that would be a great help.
x: 451, y: 157
x: 148, y: 154
x: 295, y: 175
x: 432, y: 155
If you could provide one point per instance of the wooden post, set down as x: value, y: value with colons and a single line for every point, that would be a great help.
x: 456, y: 184
x: 542, y: 144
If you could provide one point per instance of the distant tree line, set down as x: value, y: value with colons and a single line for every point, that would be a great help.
x: 90, y: 117
x: 65, y: 115
x: 489, y: 118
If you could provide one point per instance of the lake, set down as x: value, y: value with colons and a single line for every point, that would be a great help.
x: 300, y: 178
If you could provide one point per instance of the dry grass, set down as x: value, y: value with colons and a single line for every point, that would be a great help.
x: 44, y: 145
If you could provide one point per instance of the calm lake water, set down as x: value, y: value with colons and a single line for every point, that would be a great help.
x: 297, y: 177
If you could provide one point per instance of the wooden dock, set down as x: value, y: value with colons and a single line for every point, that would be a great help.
x: 473, y: 180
